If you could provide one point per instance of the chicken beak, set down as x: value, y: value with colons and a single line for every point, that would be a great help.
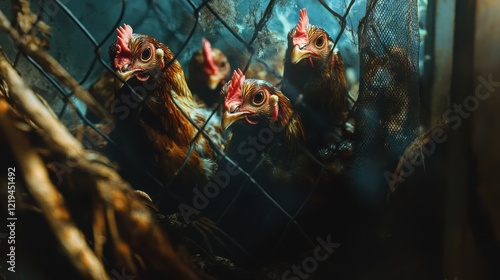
x: 213, y: 81
x: 229, y: 118
x: 125, y: 76
x: 299, y: 53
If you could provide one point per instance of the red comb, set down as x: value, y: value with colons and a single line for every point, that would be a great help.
x: 234, y: 95
x: 123, y: 53
x: 300, y: 37
x: 209, y: 66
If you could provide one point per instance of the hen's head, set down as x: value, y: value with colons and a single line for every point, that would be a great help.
x: 137, y: 56
x: 308, y: 45
x: 253, y: 102
x: 250, y: 101
x: 209, y: 67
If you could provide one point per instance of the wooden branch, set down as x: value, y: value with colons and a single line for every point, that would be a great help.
x: 56, y: 134
x: 52, y: 66
x: 71, y: 239
x: 139, y: 229
x: 134, y: 223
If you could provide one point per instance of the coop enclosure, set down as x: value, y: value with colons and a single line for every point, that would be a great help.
x: 393, y: 211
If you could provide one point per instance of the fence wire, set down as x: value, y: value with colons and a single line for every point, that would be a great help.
x: 378, y: 50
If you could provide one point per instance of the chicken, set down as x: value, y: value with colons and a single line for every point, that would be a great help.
x: 265, y: 129
x: 264, y: 132
x: 208, y: 71
x: 314, y: 79
x: 267, y: 139
x: 153, y: 134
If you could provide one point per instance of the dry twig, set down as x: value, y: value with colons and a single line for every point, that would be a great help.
x: 51, y: 202
x: 52, y: 66
x: 135, y: 233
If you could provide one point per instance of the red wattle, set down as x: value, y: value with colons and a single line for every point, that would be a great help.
x: 275, y: 113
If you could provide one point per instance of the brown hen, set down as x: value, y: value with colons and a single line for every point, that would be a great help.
x: 208, y: 70
x: 315, y: 80
x: 267, y: 139
x: 155, y: 132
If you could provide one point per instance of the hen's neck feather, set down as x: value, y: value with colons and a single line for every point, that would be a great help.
x: 172, y: 89
x: 290, y: 120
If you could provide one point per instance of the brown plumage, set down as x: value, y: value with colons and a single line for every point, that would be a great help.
x: 152, y: 130
x: 208, y: 71
x: 314, y: 78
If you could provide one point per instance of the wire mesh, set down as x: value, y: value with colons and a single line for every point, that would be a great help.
x: 388, y: 104
x: 388, y: 51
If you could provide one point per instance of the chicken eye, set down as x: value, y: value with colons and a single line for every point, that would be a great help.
x: 223, y: 64
x: 146, y: 53
x: 258, y: 98
x: 320, y: 41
